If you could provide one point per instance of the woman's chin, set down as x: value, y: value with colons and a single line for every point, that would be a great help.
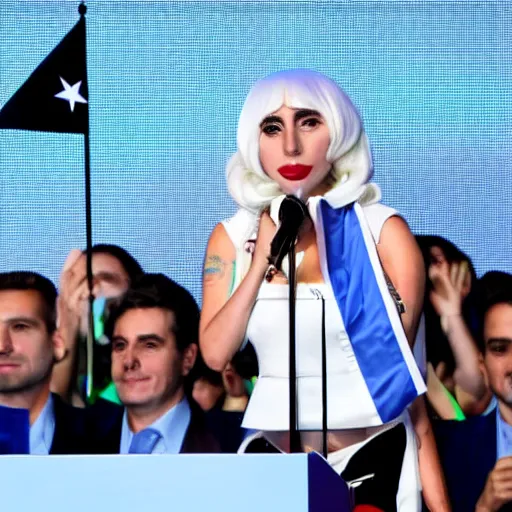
x: 300, y: 189
x: 292, y: 191
x: 303, y: 189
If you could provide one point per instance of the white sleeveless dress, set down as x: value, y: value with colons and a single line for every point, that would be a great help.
x: 348, y: 402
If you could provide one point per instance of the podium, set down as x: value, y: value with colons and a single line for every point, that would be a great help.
x: 227, y: 483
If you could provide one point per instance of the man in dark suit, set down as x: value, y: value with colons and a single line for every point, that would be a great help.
x: 29, y: 346
x: 477, y: 453
x: 153, y: 334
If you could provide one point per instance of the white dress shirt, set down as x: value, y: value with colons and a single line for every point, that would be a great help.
x: 42, y: 431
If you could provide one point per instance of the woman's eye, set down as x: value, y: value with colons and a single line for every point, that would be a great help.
x: 311, y: 122
x: 271, y: 129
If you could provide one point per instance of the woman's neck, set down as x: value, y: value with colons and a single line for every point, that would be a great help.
x: 322, y: 188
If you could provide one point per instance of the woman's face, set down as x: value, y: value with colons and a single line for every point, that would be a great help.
x: 293, y: 149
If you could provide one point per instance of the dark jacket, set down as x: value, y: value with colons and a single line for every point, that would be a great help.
x: 227, y: 428
x: 105, y: 421
x: 468, y: 454
x: 70, y: 436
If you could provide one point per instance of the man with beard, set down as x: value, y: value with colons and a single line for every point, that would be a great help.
x: 477, y: 453
x: 29, y: 346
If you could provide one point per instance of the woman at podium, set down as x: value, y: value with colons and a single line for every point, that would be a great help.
x: 360, y: 281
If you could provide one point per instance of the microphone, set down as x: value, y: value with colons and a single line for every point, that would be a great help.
x: 292, y: 214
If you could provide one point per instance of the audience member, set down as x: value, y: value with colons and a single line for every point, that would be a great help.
x: 113, y: 269
x: 492, y: 284
x: 228, y: 390
x: 153, y: 334
x: 455, y: 382
x: 477, y: 453
x: 208, y: 388
x: 29, y: 347
x: 224, y: 396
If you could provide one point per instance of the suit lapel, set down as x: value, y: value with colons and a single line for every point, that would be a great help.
x: 105, y: 422
x: 489, y: 456
x: 198, y: 439
x: 69, y: 436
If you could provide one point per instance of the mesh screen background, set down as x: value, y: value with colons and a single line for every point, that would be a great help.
x: 167, y: 81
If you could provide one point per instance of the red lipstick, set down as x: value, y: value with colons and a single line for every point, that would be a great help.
x: 294, y: 172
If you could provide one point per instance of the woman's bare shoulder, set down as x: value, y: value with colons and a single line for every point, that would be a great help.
x: 220, y: 240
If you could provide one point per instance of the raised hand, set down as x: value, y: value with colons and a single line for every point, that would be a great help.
x: 498, y: 488
x: 266, y: 231
x: 73, y: 289
x: 450, y: 284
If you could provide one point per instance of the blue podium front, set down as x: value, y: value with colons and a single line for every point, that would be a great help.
x: 227, y: 483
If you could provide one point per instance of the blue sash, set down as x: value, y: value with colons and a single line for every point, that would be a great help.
x: 369, y: 313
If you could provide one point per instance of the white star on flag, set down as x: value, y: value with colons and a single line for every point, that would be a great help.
x: 71, y: 93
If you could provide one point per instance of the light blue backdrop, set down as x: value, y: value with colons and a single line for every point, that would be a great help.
x: 167, y: 81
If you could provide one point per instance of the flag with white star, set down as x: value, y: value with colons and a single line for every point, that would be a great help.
x: 54, y: 97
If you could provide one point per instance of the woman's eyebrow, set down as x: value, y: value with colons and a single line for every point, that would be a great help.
x: 306, y: 112
x: 271, y: 119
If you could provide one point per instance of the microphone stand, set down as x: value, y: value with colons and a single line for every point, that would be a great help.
x: 292, y: 213
x: 295, y: 444
x: 324, y: 382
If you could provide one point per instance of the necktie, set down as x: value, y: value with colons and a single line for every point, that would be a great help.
x: 144, y: 441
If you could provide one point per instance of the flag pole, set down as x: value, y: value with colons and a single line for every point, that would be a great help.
x: 35, y: 106
x: 82, y: 9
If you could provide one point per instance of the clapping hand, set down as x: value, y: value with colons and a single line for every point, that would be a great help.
x: 498, y: 488
x: 73, y: 294
x: 450, y: 284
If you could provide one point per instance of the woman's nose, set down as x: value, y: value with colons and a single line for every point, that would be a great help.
x: 291, y: 142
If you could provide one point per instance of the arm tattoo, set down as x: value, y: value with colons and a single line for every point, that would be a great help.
x: 214, y: 268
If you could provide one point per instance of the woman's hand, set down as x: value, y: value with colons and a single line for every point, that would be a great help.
x: 450, y: 285
x: 71, y: 303
x: 266, y: 232
x: 73, y: 289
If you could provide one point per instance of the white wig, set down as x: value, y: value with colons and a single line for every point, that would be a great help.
x: 348, y: 151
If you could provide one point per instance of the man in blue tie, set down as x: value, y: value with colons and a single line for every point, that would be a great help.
x: 153, y: 334
x: 29, y: 346
x: 477, y: 453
